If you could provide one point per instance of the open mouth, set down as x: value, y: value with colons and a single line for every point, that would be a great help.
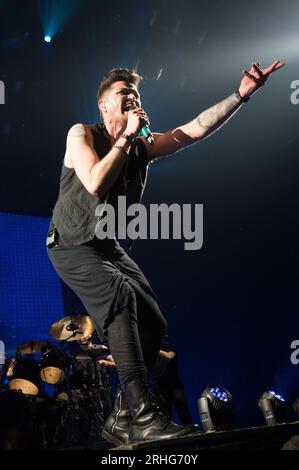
x: 128, y: 106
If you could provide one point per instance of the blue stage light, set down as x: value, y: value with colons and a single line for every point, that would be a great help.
x: 215, y: 409
x: 48, y: 38
x: 274, y: 408
x: 219, y: 393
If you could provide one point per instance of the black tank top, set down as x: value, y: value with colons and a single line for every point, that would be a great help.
x: 74, y: 212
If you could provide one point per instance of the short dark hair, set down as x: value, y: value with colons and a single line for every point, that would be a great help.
x: 118, y: 75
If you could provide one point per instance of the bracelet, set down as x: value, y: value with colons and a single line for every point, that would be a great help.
x: 129, y: 138
x: 122, y: 149
x: 241, y: 98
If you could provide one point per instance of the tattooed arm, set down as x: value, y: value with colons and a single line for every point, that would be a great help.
x: 97, y: 174
x: 213, y: 118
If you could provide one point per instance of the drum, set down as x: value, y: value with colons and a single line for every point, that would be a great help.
x: 28, y: 422
x: 51, y: 367
x: 23, y: 375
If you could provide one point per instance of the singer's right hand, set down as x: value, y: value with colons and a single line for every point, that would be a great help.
x: 137, y: 118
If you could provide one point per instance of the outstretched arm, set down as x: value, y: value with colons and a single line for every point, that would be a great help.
x: 213, y: 118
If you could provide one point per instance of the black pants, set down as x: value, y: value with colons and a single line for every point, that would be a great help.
x: 120, y: 300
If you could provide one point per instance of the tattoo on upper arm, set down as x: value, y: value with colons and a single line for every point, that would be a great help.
x: 78, y: 131
x: 219, y: 112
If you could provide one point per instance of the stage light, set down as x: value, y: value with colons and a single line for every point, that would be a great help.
x: 55, y: 14
x: 274, y: 407
x: 215, y: 409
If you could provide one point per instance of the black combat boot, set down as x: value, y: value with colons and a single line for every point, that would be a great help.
x: 116, y: 427
x: 148, y: 423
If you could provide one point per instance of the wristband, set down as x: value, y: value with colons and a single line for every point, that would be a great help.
x: 242, y: 99
x: 122, y: 149
x: 129, y: 138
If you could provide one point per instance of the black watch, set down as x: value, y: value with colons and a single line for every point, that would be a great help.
x: 242, y: 98
x: 129, y: 138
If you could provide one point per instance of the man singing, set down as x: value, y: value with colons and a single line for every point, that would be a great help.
x: 102, y: 162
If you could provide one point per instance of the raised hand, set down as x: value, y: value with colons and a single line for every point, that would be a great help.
x: 256, y: 77
x: 137, y: 117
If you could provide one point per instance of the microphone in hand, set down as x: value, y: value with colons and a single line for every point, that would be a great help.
x: 145, y: 130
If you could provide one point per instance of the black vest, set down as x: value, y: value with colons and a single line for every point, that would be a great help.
x: 74, y: 212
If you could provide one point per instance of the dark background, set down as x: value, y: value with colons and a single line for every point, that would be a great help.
x: 232, y: 307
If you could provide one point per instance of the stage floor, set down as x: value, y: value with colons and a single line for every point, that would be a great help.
x: 256, y: 438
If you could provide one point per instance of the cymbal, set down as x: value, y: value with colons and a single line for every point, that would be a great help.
x: 32, y: 347
x: 72, y: 328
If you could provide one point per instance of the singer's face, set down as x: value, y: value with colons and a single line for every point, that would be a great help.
x: 119, y: 98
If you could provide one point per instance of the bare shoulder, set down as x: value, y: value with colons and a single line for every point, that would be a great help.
x: 79, y: 134
x: 80, y: 130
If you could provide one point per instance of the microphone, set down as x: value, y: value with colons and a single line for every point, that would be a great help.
x: 146, y: 133
x: 145, y: 130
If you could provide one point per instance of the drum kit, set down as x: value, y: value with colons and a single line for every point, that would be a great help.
x: 52, y: 395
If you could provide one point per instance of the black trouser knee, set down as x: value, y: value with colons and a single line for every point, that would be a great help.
x: 135, y: 337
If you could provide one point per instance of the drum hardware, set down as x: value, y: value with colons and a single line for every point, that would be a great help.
x: 72, y: 366
x: 73, y: 426
x: 100, y: 389
x: 84, y: 392
x: 7, y: 370
x: 88, y: 391
x: 28, y: 422
x: 90, y: 349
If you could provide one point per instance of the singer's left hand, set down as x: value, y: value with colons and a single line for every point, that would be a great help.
x: 256, y: 77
